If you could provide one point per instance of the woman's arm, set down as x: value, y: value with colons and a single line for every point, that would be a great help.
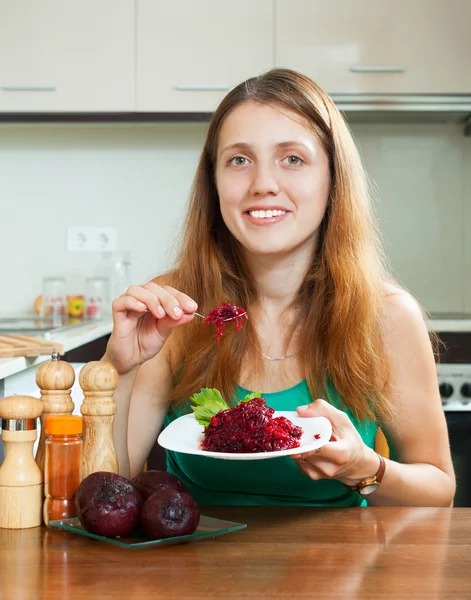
x: 142, y: 400
x: 417, y: 433
x: 143, y: 319
x: 423, y: 475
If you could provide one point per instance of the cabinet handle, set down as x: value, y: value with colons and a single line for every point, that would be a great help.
x: 216, y: 87
x: 29, y: 88
x: 377, y: 69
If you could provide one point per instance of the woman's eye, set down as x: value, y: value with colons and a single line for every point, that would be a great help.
x: 238, y: 161
x: 294, y: 160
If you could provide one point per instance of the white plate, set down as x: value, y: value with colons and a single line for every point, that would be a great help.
x: 185, y: 435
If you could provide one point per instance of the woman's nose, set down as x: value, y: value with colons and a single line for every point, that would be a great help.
x: 264, y: 181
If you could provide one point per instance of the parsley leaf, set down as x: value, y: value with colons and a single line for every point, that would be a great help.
x: 208, y: 403
x: 251, y: 397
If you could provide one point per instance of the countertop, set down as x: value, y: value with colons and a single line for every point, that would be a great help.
x: 373, y: 553
x: 450, y: 325
x: 70, y: 338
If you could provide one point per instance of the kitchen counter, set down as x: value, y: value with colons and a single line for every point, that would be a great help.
x: 450, y: 325
x: 373, y: 553
x: 71, y: 338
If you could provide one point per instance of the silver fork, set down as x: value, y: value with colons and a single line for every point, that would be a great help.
x: 225, y: 320
x: 242, y: 314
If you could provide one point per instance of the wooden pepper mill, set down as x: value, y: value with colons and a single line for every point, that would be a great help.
x: 55, y: 379
x: 21, y: 489
x: 98, y: 380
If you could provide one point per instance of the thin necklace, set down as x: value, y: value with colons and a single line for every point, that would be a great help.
x: 276, y: 358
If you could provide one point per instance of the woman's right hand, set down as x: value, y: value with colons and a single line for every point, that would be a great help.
x: 143, y: 318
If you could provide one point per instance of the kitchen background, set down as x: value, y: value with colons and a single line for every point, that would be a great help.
x: 90, y: 92
x: 104, y: 106
x: 136, y: 179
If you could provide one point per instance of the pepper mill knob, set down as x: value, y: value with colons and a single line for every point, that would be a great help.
x: 20, y: 408
x: 21, y: 479
x: 55, y: 379
x: 98, y: 380
x: 56, y: 374
x: 99, y: 376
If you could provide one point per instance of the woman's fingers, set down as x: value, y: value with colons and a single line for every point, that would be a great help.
x: 164, y: 326
x: 166, y: 301
x: 127, y: 302
x: 153, y: 299
x: 330, y: 459
x: 320, y: 408
x: 167, y: 306
x: 126, y: 307
x: 344, y: 457
x: 185, y: 302
x: 325, y: 462
x: 309, y: 469
x: 159, y: 301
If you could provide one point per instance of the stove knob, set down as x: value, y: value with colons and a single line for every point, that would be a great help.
x: 466, y: 392
x: 446, y: 391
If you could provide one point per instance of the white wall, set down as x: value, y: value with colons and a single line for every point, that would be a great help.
x: 134, y: 178
x: 137, y: 179
x: 423, y: 186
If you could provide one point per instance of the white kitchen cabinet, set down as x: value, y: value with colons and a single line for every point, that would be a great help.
x: 65, y: 56
x: 373, y: 47
x: 189, y: 54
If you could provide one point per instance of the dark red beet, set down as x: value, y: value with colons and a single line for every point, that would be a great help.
x: 169, y: 513
x: 152, y: 481
x: 250, y: 427
x: 108, y: 504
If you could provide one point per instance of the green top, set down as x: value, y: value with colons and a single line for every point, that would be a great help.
x: 273, y: 481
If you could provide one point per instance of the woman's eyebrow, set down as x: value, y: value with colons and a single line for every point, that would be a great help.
x: 246, y: 146
x: 291, y: 143
x: 238, y: 145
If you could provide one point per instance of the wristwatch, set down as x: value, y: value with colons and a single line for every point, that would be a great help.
x: 370, y: 484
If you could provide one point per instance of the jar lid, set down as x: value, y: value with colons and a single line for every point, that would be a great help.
x: 63, y: 425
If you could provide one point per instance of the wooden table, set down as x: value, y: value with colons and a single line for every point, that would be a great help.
x: 284, y: 553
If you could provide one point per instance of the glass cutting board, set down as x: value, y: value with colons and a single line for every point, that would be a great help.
x: 207, y: 528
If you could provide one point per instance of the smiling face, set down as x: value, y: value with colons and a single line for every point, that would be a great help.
x: 273, y: 180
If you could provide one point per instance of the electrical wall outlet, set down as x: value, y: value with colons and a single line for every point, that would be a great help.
x: 91, y: 239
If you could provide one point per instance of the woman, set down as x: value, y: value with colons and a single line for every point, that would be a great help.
x: 279, y: 223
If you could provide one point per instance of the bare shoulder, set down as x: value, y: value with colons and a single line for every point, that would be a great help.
x: 404, y: 327
x: 401, y: 309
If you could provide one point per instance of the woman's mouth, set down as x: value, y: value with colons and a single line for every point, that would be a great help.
x: 265, y: 217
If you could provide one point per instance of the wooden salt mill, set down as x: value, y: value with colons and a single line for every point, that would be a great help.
x: 55, y: 379
x: 21, y: 489
x: 98, y: 380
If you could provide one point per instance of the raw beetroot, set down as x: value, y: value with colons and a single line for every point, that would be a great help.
x: 108, y: 504
x: 149, y: 482
x: 169, y: 513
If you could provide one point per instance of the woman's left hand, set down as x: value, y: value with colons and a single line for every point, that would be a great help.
x: 345, y: 457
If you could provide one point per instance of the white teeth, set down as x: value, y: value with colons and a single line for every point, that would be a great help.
x: 266, y: 214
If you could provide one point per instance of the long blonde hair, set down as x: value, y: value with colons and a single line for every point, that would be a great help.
x: 340, y: 301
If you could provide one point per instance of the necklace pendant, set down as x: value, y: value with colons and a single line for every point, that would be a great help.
x: 278, y: 358
x: 274, y: 358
